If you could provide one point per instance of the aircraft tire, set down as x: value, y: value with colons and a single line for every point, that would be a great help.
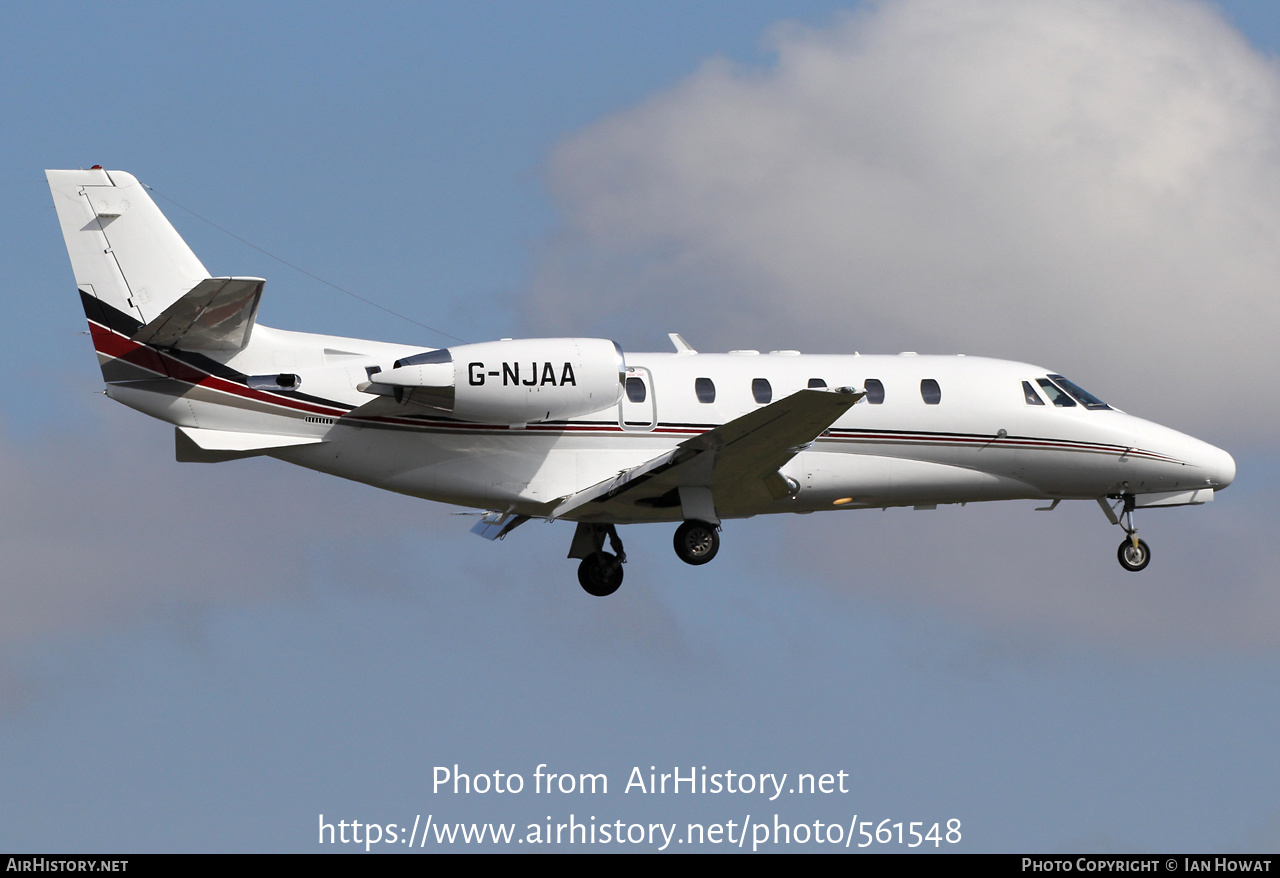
x: 696, y: 542
x: 1134, y: 558
x: 600, y: 574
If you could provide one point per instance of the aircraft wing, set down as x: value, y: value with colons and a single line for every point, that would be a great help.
x: 217, y: 314
x: 744, y: 452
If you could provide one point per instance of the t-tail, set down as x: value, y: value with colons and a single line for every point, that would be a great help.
x: 139, y: 282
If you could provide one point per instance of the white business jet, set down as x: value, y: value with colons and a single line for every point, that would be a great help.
x: 572, y: 428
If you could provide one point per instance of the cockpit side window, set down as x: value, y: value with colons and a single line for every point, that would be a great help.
x: 1056, y: 396
x: 1085, y: 398
x: 875, y: 390
x: 1029, y: 393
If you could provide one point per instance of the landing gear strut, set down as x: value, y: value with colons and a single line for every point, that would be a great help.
x: 696, y: 542
x: 600, y: 572
x: 1134, y: 554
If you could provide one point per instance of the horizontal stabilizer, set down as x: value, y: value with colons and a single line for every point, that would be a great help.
x: 195, y: 445
x: 216, y: 315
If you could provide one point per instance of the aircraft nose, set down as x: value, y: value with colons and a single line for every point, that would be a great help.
x: 1220, y: 467
x: 1197, y: 463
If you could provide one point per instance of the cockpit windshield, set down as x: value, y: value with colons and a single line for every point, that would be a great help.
x: 1056, y: 394
x: 1084, y: 397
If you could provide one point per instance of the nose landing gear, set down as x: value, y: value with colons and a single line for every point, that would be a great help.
x: 1134, y: 554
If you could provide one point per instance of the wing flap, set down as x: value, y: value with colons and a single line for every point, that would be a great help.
x: 496, y: 525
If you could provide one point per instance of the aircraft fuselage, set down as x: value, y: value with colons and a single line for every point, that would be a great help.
x: 980, y: 440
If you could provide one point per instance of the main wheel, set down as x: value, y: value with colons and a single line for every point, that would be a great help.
x: 696, y: 542
x: 1133, y: 558
x: 600, y: 574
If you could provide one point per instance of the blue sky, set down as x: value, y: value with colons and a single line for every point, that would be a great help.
x: 206, y: 658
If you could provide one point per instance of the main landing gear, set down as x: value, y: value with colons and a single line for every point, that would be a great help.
x: 600, y: 572
x: 1134, y: 554
x: 696, y: 542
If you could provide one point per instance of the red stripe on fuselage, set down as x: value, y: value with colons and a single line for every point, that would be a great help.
x: 112, y: 344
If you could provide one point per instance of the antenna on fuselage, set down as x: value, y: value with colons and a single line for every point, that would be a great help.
x: 682, y: 346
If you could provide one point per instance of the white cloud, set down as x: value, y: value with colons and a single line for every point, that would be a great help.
x: 1091, y: 186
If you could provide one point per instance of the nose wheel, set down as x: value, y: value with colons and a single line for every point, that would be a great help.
x: 696, y: 542
x: 1134, y: 554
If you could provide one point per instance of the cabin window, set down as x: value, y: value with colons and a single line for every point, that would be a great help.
x: 705, y: 389
x: 1056, y: 396
x: 817, y: 384
x: 930, y: 391
x: 761, y: 390
x: 1030, y: 395
x: 1084, y: 397
x: 875, y: 391
x: 636, y: 391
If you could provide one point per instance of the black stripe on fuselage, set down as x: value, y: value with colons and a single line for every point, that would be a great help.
x: 117, y: 321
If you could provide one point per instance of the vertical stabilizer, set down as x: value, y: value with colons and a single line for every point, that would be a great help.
x: 124, y: 253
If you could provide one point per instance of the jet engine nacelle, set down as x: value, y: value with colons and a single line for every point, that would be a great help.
x: 511, y: 382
